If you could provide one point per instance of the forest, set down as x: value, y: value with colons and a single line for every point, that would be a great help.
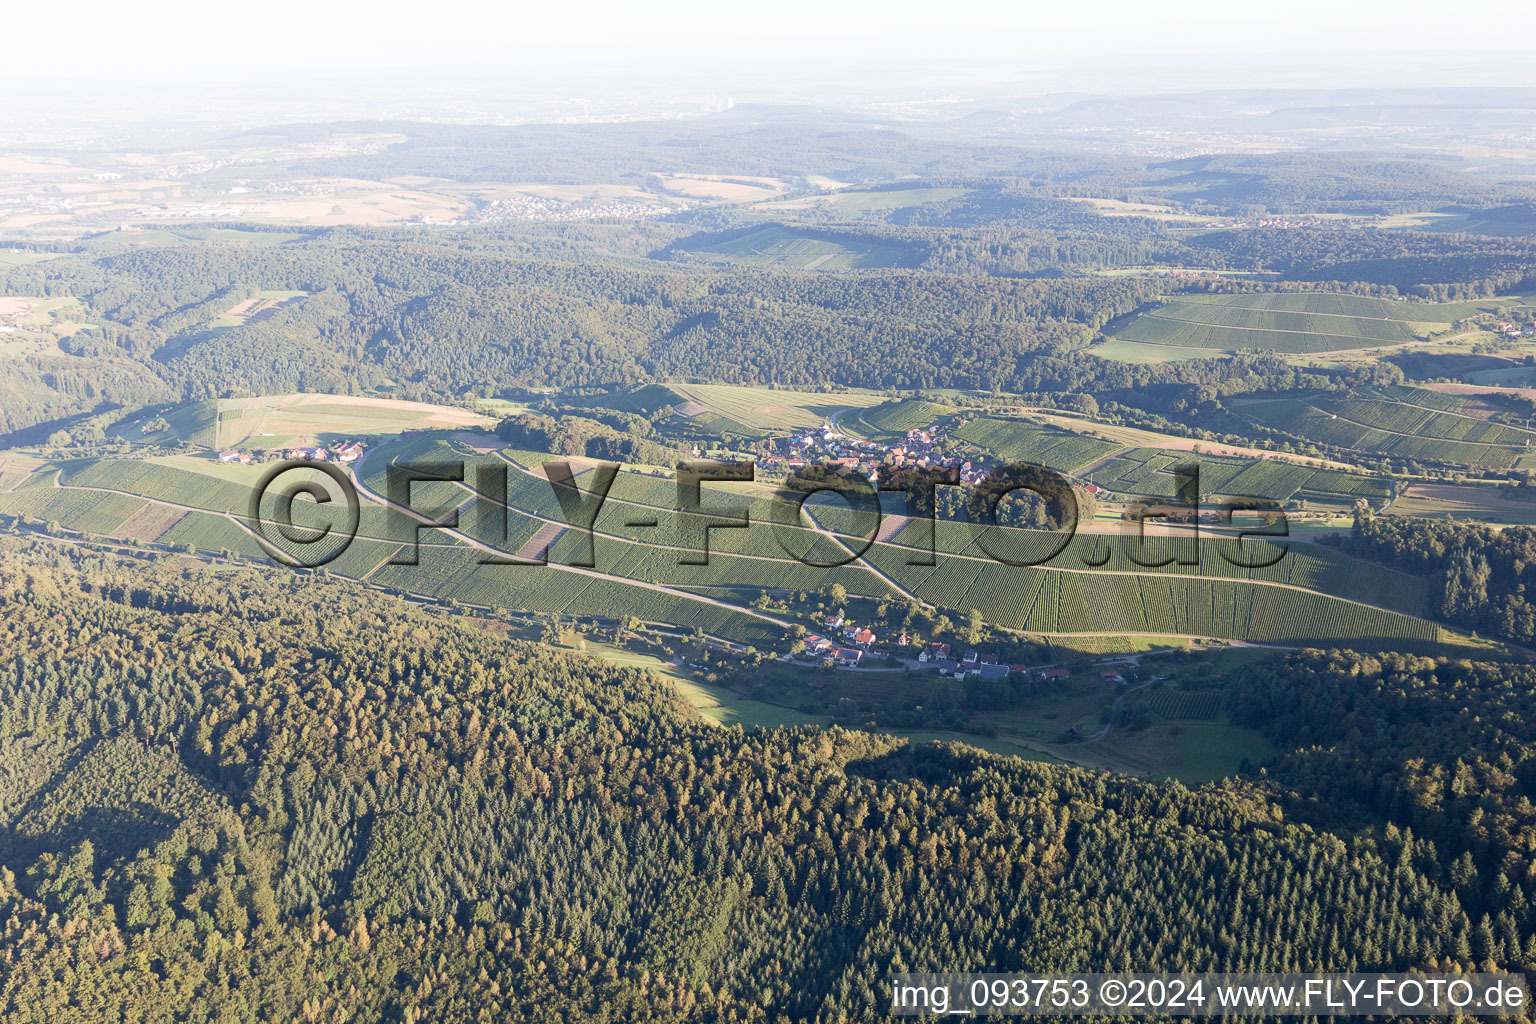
x: 636, y: 787
x: 1011, y: 272
x: 291, y: 798
x: 1479, y: 574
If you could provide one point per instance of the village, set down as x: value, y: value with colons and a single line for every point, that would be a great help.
x: 920, y: 449
x: 847, y: 645
x: 343, y: 452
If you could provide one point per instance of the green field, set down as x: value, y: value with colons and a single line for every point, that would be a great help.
x: 147, y: 237
x: 24, y: 259
x: 900, y: 416
x: 1507, y: 220
x: 782, y: 248
x: 731, y: 409
x: 1401, y: 422
x: 1140, y: 352
x: 261, y: 303
x: 1150, y: 472
x: 1038, y: 443
x: 282, y: 421
x: 1311, y: 596
x: 1295, y: 323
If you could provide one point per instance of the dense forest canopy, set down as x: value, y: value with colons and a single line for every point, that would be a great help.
x: 438, y: 315
x: 249, y: 794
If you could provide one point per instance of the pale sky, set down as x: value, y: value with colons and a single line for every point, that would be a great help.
x: 58, y: 43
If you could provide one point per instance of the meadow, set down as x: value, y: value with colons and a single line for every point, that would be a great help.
x: 853, y: 202
x: 283, y: 421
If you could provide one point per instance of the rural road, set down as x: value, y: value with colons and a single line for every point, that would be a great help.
x: 1114, y: 709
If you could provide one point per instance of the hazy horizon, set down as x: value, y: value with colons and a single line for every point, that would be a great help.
x: 472, y: 62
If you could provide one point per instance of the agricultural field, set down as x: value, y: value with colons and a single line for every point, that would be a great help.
x: 900, y: 416
x: 781, y: 248
x: 1507, y: 220
x: 1124, y: 351
x: 1292, y: 323
x: 1150, y: 472
x: 33, y: 326
x: 260, y: 306
x: 743, y: 410
x: 1041, y: 444
x: 24, y: 259
x: 724, y: 188
x: 1095, y: 587
x: 1487, y: 503
x: 1401, y: 422
x: 1121, y: 208
x: 282, y: 421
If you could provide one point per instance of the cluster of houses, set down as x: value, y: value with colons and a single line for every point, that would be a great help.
x: 344, y: 452
x: 1495, y: 322
x: 827, y: 447
x: 847, y: 642
x: 971, y: 663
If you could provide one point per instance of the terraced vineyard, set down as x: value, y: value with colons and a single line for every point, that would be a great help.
x: 1150, y: 471
x: 1025, y: 441
x: 1404, y: 422
x: 1186, y: 705
x: 1296, y: 323
x: 901, y: 416
x: 1311, y: 596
